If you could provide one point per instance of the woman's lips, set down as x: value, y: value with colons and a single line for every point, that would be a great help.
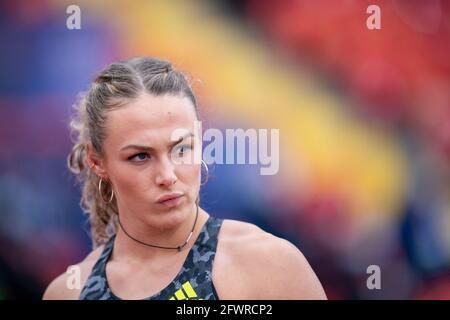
x: 171, y: 200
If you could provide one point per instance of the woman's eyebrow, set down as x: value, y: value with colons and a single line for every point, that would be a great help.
x: 141, y: 147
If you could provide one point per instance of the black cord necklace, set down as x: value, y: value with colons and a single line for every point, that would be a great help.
x: 150, y: 245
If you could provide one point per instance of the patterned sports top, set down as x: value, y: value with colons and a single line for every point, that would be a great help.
x: 193, y: 281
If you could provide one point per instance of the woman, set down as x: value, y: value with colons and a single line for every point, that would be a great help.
x: 140, y: 190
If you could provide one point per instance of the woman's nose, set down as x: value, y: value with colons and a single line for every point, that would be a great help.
x: 166, y: 173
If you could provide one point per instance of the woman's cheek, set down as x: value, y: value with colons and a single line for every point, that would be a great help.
x: 191, y: 174
x: 129, y: 181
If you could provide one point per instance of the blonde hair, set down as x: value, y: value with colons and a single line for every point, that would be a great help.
x: 117, y: 84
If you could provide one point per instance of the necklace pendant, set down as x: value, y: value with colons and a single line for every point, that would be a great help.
x: 179, y: 248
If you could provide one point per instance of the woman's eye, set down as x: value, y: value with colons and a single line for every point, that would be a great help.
x: 138, y: 157
x: 181, y: 150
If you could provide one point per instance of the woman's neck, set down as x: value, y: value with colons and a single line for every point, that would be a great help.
x: 133, y: 251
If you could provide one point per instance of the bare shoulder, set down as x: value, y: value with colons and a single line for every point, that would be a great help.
x: 59, y: 289
x: 262, y: 265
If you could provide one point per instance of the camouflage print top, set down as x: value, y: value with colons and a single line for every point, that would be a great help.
x: 193, y: 281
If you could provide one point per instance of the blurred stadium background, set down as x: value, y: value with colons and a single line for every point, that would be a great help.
x: 364, y: 119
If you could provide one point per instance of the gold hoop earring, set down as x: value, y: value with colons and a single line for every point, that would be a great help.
x: 207, y: 173
x: 101, y: 194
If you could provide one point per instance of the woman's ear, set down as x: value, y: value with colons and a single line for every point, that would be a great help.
x: 94, y: 161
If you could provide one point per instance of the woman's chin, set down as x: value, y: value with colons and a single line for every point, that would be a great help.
x: 173, y: 217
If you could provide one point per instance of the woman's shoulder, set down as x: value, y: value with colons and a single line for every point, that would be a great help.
x: 265, y: 261
x: 232, y: 228
x: 245, y: 235
x: 68, y: 285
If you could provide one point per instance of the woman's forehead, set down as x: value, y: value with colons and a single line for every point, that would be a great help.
x: 150, y: 117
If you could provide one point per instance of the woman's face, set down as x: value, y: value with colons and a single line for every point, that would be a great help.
x: 144, y: 162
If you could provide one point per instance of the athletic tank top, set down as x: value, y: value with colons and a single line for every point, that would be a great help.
x: 193, y: 281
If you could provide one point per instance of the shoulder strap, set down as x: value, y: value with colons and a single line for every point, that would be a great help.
x: 95, y: 284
